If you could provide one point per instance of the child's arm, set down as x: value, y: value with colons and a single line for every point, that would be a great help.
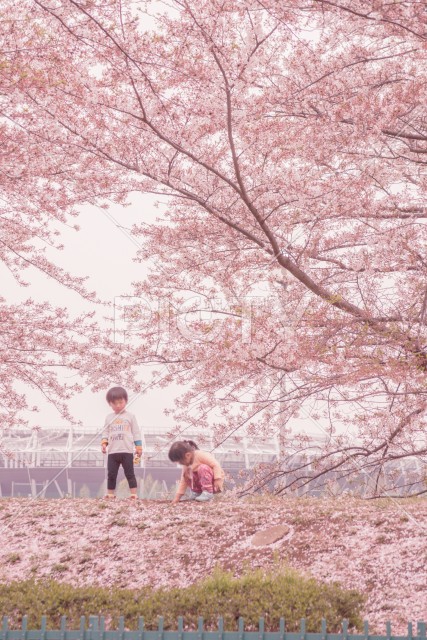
x: 136, y: 437
x: 182, y: 487
x: 212, y: 462
x: 177, y: 498
x: 104, y: 437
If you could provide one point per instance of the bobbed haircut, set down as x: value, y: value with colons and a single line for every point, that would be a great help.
x: 180, y: 448
x: 116, y: 393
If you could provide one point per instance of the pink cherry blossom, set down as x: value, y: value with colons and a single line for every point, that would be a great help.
x: 286, y: 143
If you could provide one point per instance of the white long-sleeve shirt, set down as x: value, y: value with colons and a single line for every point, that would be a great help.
x: 122, y: 432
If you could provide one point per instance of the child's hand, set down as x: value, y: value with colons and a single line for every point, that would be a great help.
x: 138, y: 454
x: 104, y: 448
x: 217, y: 485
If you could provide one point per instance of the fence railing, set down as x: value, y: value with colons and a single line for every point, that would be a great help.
x: 94, y: 629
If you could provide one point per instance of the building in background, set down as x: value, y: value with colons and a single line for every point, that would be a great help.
x: 69, y: 462
x: 59, y: 462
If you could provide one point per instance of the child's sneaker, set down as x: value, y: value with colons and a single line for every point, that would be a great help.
x: 191, y: 496
x: 204, y: 496
x: 109, y: 496
x: 132, y: 498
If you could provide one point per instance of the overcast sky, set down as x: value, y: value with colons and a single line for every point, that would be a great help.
x: 105, y: 253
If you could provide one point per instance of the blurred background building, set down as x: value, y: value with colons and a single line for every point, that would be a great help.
x: 58, y: 462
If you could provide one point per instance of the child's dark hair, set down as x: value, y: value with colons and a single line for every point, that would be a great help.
x: 116, y: 393
x: 180, y: 448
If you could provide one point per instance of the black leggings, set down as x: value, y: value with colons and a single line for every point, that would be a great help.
x: 113, y: 464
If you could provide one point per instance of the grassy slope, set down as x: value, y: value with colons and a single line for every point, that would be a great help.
x: 378, y: 548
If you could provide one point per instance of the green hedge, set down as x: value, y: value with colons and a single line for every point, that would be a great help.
x: 278, y: 592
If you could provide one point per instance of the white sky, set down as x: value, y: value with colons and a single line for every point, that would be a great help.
x: 105, y: 254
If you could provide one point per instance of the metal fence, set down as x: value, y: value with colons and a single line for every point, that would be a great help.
x: 94, y: 629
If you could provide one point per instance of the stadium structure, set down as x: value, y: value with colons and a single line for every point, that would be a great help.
x: 59, y: 462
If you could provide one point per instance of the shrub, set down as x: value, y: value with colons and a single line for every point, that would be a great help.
x: 278, y: 592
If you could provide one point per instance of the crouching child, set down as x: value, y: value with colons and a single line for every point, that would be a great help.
x: 201, y: 472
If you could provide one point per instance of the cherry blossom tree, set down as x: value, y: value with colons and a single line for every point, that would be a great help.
x: 287, y: 144
x: 42, y: 346
x: 40, y: 343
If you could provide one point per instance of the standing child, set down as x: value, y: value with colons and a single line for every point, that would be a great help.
x: 202, y: 473
x: 121, y: 435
